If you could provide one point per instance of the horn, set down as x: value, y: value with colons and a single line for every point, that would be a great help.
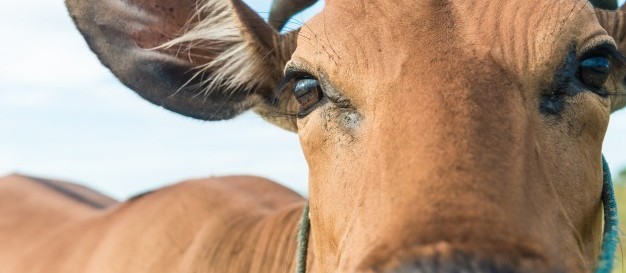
x: 605, y: 4
x: 283, y: 10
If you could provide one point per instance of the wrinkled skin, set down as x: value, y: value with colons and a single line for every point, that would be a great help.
x: 444, y: 150
x: 449, y: 136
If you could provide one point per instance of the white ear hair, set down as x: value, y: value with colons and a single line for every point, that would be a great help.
x: 210, y: 60
x: 238, y: 63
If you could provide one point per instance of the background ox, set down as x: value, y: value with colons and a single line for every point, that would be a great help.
x: 440, y: 136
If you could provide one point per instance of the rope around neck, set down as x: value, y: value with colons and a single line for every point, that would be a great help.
x: 609, y: 237
x: 303, y: 240
x: 611, y: 227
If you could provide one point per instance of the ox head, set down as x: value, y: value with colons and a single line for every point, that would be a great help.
x: 441, y: 135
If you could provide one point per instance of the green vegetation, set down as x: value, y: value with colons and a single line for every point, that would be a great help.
x: 620, y: 195
x: 621, y: 178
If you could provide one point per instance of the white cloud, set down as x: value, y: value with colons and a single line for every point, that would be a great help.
x: 62, y: 114
x: 615, y: 142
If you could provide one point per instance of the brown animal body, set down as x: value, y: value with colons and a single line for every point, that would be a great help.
x: 188, y: 227
x: 441, y: 136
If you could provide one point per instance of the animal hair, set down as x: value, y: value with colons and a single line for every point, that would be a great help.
x: 229, y: 61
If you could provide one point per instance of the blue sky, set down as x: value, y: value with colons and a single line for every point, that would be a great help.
x: 63, y: 115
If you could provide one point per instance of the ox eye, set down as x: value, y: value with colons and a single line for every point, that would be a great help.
x: 594, y: 72
x: 308, y: 93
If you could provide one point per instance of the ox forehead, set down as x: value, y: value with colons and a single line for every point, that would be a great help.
x: 432, y: 45
x: 441, y: 135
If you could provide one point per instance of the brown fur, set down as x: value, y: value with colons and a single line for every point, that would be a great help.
x: 435, y: 155
x: 451, y: 154
x: 227, y: 224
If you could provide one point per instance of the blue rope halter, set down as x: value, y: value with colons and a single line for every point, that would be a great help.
x: 609, y: 237
x: 611, y: 227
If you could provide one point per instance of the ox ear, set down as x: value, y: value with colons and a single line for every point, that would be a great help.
x: 614, y: 22
x: 207, y: 59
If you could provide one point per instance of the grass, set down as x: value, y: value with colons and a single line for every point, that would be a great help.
x: 620, y: 195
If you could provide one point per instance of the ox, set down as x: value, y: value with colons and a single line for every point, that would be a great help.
x: 441, y: 136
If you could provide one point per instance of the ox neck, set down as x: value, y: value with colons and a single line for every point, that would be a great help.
x: 609, y: 237
x: 265, y: 244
